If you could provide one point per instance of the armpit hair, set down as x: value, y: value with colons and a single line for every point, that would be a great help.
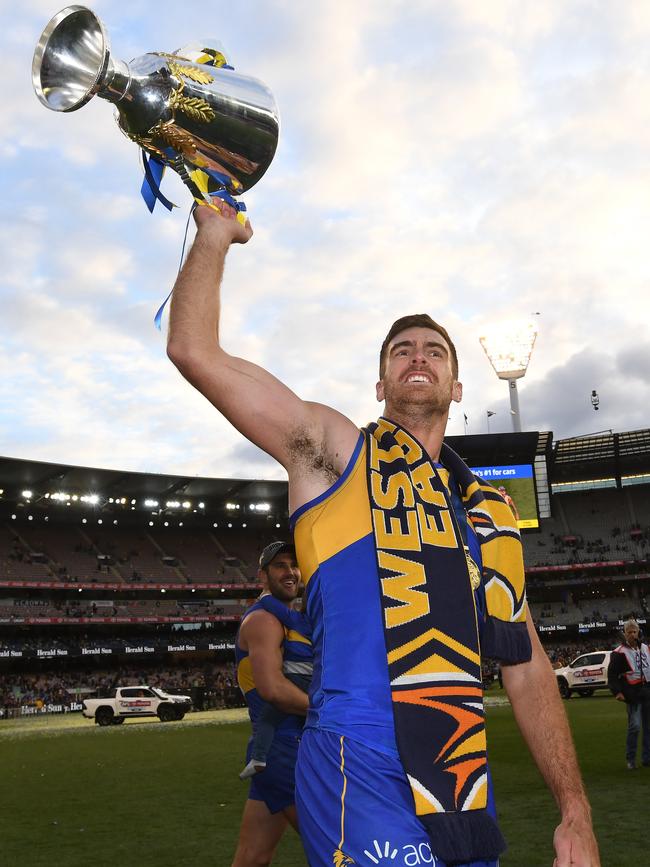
x: 311, y: 455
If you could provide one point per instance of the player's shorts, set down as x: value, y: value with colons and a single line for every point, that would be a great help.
x: 275, y: 785
x: 355, y: 807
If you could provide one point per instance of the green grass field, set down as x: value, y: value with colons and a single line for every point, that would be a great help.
x: 148, y: 793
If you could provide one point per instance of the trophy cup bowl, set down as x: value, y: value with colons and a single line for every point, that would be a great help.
x: 70, y: 59
x: 191, y: 114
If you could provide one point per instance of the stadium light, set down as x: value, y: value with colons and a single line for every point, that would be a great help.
x: 151, y: 504
x: 508, y: 347
x: 187, y: 504
x: 232, y: 506
x: 172, y: 504
x: 201, y: 505
x: 27, y: 495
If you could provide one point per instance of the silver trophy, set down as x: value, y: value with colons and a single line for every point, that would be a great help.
x: 187, y: 110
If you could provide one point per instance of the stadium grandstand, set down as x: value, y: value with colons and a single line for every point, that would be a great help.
x: 108, y: 577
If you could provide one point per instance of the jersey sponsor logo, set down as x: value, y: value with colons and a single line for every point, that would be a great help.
x: 411, y: 855
x: 381, y: 852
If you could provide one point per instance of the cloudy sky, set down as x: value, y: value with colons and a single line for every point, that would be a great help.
x: 483, y: 162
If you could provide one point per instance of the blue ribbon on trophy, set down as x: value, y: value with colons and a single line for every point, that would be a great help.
x: 189, y: 111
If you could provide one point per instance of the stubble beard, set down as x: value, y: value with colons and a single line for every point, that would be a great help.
x: 417, y: 408
x: 277, y: 589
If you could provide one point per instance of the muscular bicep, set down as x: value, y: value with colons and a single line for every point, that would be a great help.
x: 263, y: 636
x: 262, y: 408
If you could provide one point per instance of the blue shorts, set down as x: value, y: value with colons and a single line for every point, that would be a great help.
x: 356, y: 801
x: 275, y: 785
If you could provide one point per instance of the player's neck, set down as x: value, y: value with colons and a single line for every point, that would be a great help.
x: 427, y: 428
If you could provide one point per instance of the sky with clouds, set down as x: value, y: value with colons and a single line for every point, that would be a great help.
x: 478, y: 161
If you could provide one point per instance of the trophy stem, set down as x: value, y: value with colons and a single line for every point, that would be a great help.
x: 115, y: 82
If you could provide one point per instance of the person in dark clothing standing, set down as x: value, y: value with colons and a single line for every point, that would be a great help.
x: 629, y: 680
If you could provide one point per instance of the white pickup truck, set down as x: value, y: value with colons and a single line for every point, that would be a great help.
x: 136, y: 701
x: 584, y: 675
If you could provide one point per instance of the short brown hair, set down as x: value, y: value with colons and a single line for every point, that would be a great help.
x: 416, y: 320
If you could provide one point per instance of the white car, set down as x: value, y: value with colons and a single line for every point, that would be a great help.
x: 584, y: 675
x: 136, y: 701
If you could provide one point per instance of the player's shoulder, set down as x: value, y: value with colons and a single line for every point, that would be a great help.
x: 260, y: 621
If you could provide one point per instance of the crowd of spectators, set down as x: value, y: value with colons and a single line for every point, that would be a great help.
x: 19, y: 610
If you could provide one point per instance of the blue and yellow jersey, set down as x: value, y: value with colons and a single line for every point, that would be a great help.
x: 297, y: 655
x: 335, y: 544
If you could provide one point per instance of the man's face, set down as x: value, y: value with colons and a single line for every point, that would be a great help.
x: 631, y: 632
x: 282, y: 577
x: 418, y: 372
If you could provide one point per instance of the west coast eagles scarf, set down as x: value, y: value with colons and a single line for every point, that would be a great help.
x: 435, y: 634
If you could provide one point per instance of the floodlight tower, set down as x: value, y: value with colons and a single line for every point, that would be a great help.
x: 509, y: 347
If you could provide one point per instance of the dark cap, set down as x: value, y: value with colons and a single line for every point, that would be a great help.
x: 271, y: 551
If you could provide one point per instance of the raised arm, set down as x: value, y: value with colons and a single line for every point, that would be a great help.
x: 261, y: 407
x: 536, y: 702
x: 262, y: 635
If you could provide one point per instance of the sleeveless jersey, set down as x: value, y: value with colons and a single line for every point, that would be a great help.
x: 335, y: 544
x: 297, y: 654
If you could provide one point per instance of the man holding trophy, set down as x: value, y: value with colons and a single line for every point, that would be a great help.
x: 413, y: 567
x: 353, y: 813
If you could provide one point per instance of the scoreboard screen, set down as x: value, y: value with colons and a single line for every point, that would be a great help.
x: 516, y: 483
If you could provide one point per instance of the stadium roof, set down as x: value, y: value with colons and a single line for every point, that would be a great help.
x: 486, y: 450
x: 18, y: 475
x: 601, y: 455
x: 595, y: 456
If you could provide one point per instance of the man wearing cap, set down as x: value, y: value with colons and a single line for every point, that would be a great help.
x: 265, y: 648
x: 413, y: 570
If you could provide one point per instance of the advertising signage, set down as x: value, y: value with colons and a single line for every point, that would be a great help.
x: 114, y: 648
x: 516, y: 483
